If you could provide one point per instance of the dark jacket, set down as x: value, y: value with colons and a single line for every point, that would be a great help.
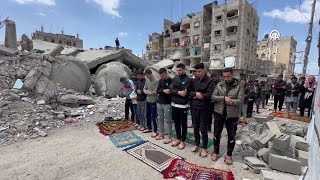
x: 204, y: 86
x: 265, y: 90
x: 293, y: 87
x: 235, y: 92
x: 181, y: 83
x: 246, y: 91
x: 251, y: 95
x: 139, y: 86
x: 164, y: 98
x: 257, y: 91
x: 278, y: 88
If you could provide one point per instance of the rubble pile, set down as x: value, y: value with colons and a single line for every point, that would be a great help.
x: 273, y: 144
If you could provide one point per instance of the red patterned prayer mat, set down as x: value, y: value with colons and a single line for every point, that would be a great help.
x: 110, y: 127
x: 290, y: 116
x: 190, y: 171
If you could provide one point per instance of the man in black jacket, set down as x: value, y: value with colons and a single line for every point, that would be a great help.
x: 180, y: 89
x: 141, y: 99
x: 280, y: 88
x: 215, y: 79
x: 164, y: 105
x: 251, y: 98
x: 200, y: 95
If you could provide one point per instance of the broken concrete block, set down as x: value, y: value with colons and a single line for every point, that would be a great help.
x: 262, y: 118
x: 264, y: 138
x: 281, y: 142
x: 303, y: 157
x: 273, y: 127
x: 76, y: 99
x: 22, y: 73
x: 289, y: 152
x: 26, y: 43
x: 31, y: 79
x: 285, y: 164
x: 289, y: 131
x: 7, y: 51
x: 258, y: 129
x: 252, y: 126
x: 255, y: 164
x: 270, y: 175
x: 11, y: 35
x: 46, y: 68
x: 254, y: 145
x: 246, y: 151
x: 264, y: 154
x: 299, y: 143
x: 57, y: 50
x: 46, y: 88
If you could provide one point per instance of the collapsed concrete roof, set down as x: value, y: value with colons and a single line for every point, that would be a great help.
x: 47, y: 47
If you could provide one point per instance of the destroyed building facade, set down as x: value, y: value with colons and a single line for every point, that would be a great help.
x: 62, y: 38
x: 219, y: 36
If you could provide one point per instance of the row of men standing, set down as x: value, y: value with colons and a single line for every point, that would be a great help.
x: 168, y: 100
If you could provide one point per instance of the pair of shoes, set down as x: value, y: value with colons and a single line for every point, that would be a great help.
x: 200, y: 154
x: 154, y: 135
x: 167, y: 141
x: 147, y: 131
x: 228, y: 160
x: 214, y: 156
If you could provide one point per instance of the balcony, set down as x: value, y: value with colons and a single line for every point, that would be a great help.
x: 231, y: 30
x: 232, y: 14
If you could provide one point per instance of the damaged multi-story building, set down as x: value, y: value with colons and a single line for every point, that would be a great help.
x: 280, y: 53
x: 62, y: 38
x: 220, y: 36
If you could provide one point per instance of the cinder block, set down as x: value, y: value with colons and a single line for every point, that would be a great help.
x: 299, y: 143
x: 255, y: 164
x: 254, y: 145
x: 281, y: 142
x: 273, y: 127
x: 270, y: 175
x: 258, y: 129
x: 247, y: 151
x: 285, y: 164
x: 252, y: 126
x: 264, y: 154
x: 303, y: 157
x: 289, y: 131
x: 264, y: 138
x: 289, y: 152
x: 262, y: 118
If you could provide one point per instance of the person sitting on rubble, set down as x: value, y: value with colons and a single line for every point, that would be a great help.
x: 228, y: 97
x: 117, y: 43
x: 129, y: 89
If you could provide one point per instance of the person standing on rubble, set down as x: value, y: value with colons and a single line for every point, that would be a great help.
x: 141, y: 102
x: 251, y: 98
x: 257, y: 91
x: 117, y: 43
x: 228, y: 97
x: 280, y: 88
x: 180, y: 89
x: 129, y: 88
x: 150, y: 89
x: 164, y: 106
x: 200, y: 95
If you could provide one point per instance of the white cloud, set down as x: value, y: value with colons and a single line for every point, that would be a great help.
x: 42, y: 14
x: 295, y: 14
x: 109, y: 6
x: 123, y: 34
x: 45, y: 2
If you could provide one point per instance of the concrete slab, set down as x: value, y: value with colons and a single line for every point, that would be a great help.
x: 273, y: 127
x: 303, y: 157
x: 281, y: 142
x: 270, y: 175
x: 7, y: 51
x: 285, y: 164
x: 262, y: 118
x: 255, y: 164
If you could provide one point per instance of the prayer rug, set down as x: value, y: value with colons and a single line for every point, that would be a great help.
x: 290, y: 116
x: 190, y: 171
x: 110, y: 127
x: 125, y: 139
x: 153, y: 155
x: 190, y: 139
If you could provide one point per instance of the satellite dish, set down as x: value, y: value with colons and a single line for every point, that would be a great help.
x: 229, y: 62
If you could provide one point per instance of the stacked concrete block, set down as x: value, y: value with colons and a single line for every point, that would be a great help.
x: 247, y: 151
x: 264, y: 154
x: 285, y: 164
x: 303, y: 157
x: 299, y: 143
x: 255, y: 164
x: 281, y: 142
x: 264, y: 138
x: 270, y: 175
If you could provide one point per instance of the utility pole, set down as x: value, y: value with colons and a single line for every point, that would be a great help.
x: 309, y: 39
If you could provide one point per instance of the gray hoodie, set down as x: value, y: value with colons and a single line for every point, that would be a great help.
x: 151, y: 86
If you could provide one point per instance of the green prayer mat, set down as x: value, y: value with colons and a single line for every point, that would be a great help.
x: 190, y: 139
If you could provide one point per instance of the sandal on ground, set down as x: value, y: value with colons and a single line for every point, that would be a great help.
x: 139, y: 127
x: 195, y: 150
x: 142, y: 129
x: 175, y: 144
x: 147, y: 131
x: 228, y: 160
x: 159, y: 137
x: 214, y: 157
x: 180, y: 147
x: 167, y: 141
x: 154, y: 135
x: 200, y: 154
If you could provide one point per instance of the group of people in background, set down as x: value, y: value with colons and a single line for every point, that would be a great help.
x: 220, y: 101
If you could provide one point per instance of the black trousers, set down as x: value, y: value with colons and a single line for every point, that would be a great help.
x: 231, y: 126
x: 267, y: 99
x: 302, y: 108
x: 180, y: 118
x: 250, y: 108
x: 278, y: 99
x: 200, y: 123
x: 128, y: 105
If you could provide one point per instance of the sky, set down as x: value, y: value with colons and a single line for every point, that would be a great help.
x: 99, y: 22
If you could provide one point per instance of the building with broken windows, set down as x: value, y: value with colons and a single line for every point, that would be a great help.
x: 281, y: 51
x: 62, y: 38
x: 220, y: 36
